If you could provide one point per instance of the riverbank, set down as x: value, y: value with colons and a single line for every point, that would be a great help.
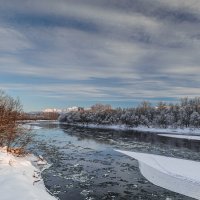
x: 20, y: 178
x: 181, y: 131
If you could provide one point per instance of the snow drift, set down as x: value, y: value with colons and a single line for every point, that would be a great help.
x: 177, y: 175
x: 19, y: 179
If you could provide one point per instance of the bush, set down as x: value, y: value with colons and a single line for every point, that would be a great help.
x: 12, y: 134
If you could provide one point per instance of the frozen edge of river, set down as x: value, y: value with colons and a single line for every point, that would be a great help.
x: 178, y: 175
x: 181, y: 131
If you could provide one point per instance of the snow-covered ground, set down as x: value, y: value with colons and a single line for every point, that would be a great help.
x: 188, y: 137
x: 177, y: 175
x: 20, y: 180
x: 142, y: 128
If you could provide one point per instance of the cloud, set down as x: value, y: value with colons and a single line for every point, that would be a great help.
x: 109, y: 49
x: 12, y: 40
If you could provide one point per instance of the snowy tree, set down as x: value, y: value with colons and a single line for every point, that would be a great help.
x: 184, y: 114
x: 195, y: 119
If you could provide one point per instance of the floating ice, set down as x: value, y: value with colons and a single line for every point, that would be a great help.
x: 188, y: 137
x: 178, y: 175
x: 28, y: 126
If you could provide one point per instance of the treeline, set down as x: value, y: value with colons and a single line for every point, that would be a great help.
x: 39, y: 116
x: 185, y: 113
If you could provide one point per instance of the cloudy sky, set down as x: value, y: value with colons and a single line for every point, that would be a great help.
x: 59, y: 53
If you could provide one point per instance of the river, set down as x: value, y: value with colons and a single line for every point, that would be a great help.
x: 85, y: 165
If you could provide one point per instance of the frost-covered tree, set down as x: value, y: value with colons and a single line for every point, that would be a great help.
x: 195, y: 119
x: 183, y: 114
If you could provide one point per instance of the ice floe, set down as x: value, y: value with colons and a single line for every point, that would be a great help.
x: 188, y: 137
x: 178, y: 175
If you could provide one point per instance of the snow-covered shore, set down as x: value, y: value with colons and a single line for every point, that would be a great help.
x: 187, y: 137
x: 178, y: 175
x: 20, y: 179
x: 184, y: 131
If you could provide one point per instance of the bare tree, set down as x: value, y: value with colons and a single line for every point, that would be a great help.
x: 12, y: 134
x: 100, y: 107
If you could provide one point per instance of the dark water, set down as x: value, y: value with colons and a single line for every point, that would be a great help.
x: 85, y: 165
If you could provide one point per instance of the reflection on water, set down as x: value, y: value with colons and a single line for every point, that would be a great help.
x: 85, y: 166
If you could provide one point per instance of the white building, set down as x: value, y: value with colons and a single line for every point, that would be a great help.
x: 55, y: 110
x: 51, y: 110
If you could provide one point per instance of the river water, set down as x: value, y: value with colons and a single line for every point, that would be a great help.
x: 85, y: 165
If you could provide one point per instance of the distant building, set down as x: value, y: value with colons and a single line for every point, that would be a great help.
x: 87, y: 109
x: 69, y: 109
x: 74, y: 108
x: 52, y: 110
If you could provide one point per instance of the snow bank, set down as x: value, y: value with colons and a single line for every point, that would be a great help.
x: 140, y: 128
x: 188, y: 137
x: 177, y: 175
x: 169, y: 130
x: 20, y: 180
x: 113, y: 127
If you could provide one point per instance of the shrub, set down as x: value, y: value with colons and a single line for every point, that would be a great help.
x: 12, y: 134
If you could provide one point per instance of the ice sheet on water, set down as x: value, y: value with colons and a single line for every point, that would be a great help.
x: 32, y: 127
x: 188, y: 137
x: 86, y: 192
x: 178, y: 175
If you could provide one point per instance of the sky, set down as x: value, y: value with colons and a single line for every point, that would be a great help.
x: 60, y: 53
